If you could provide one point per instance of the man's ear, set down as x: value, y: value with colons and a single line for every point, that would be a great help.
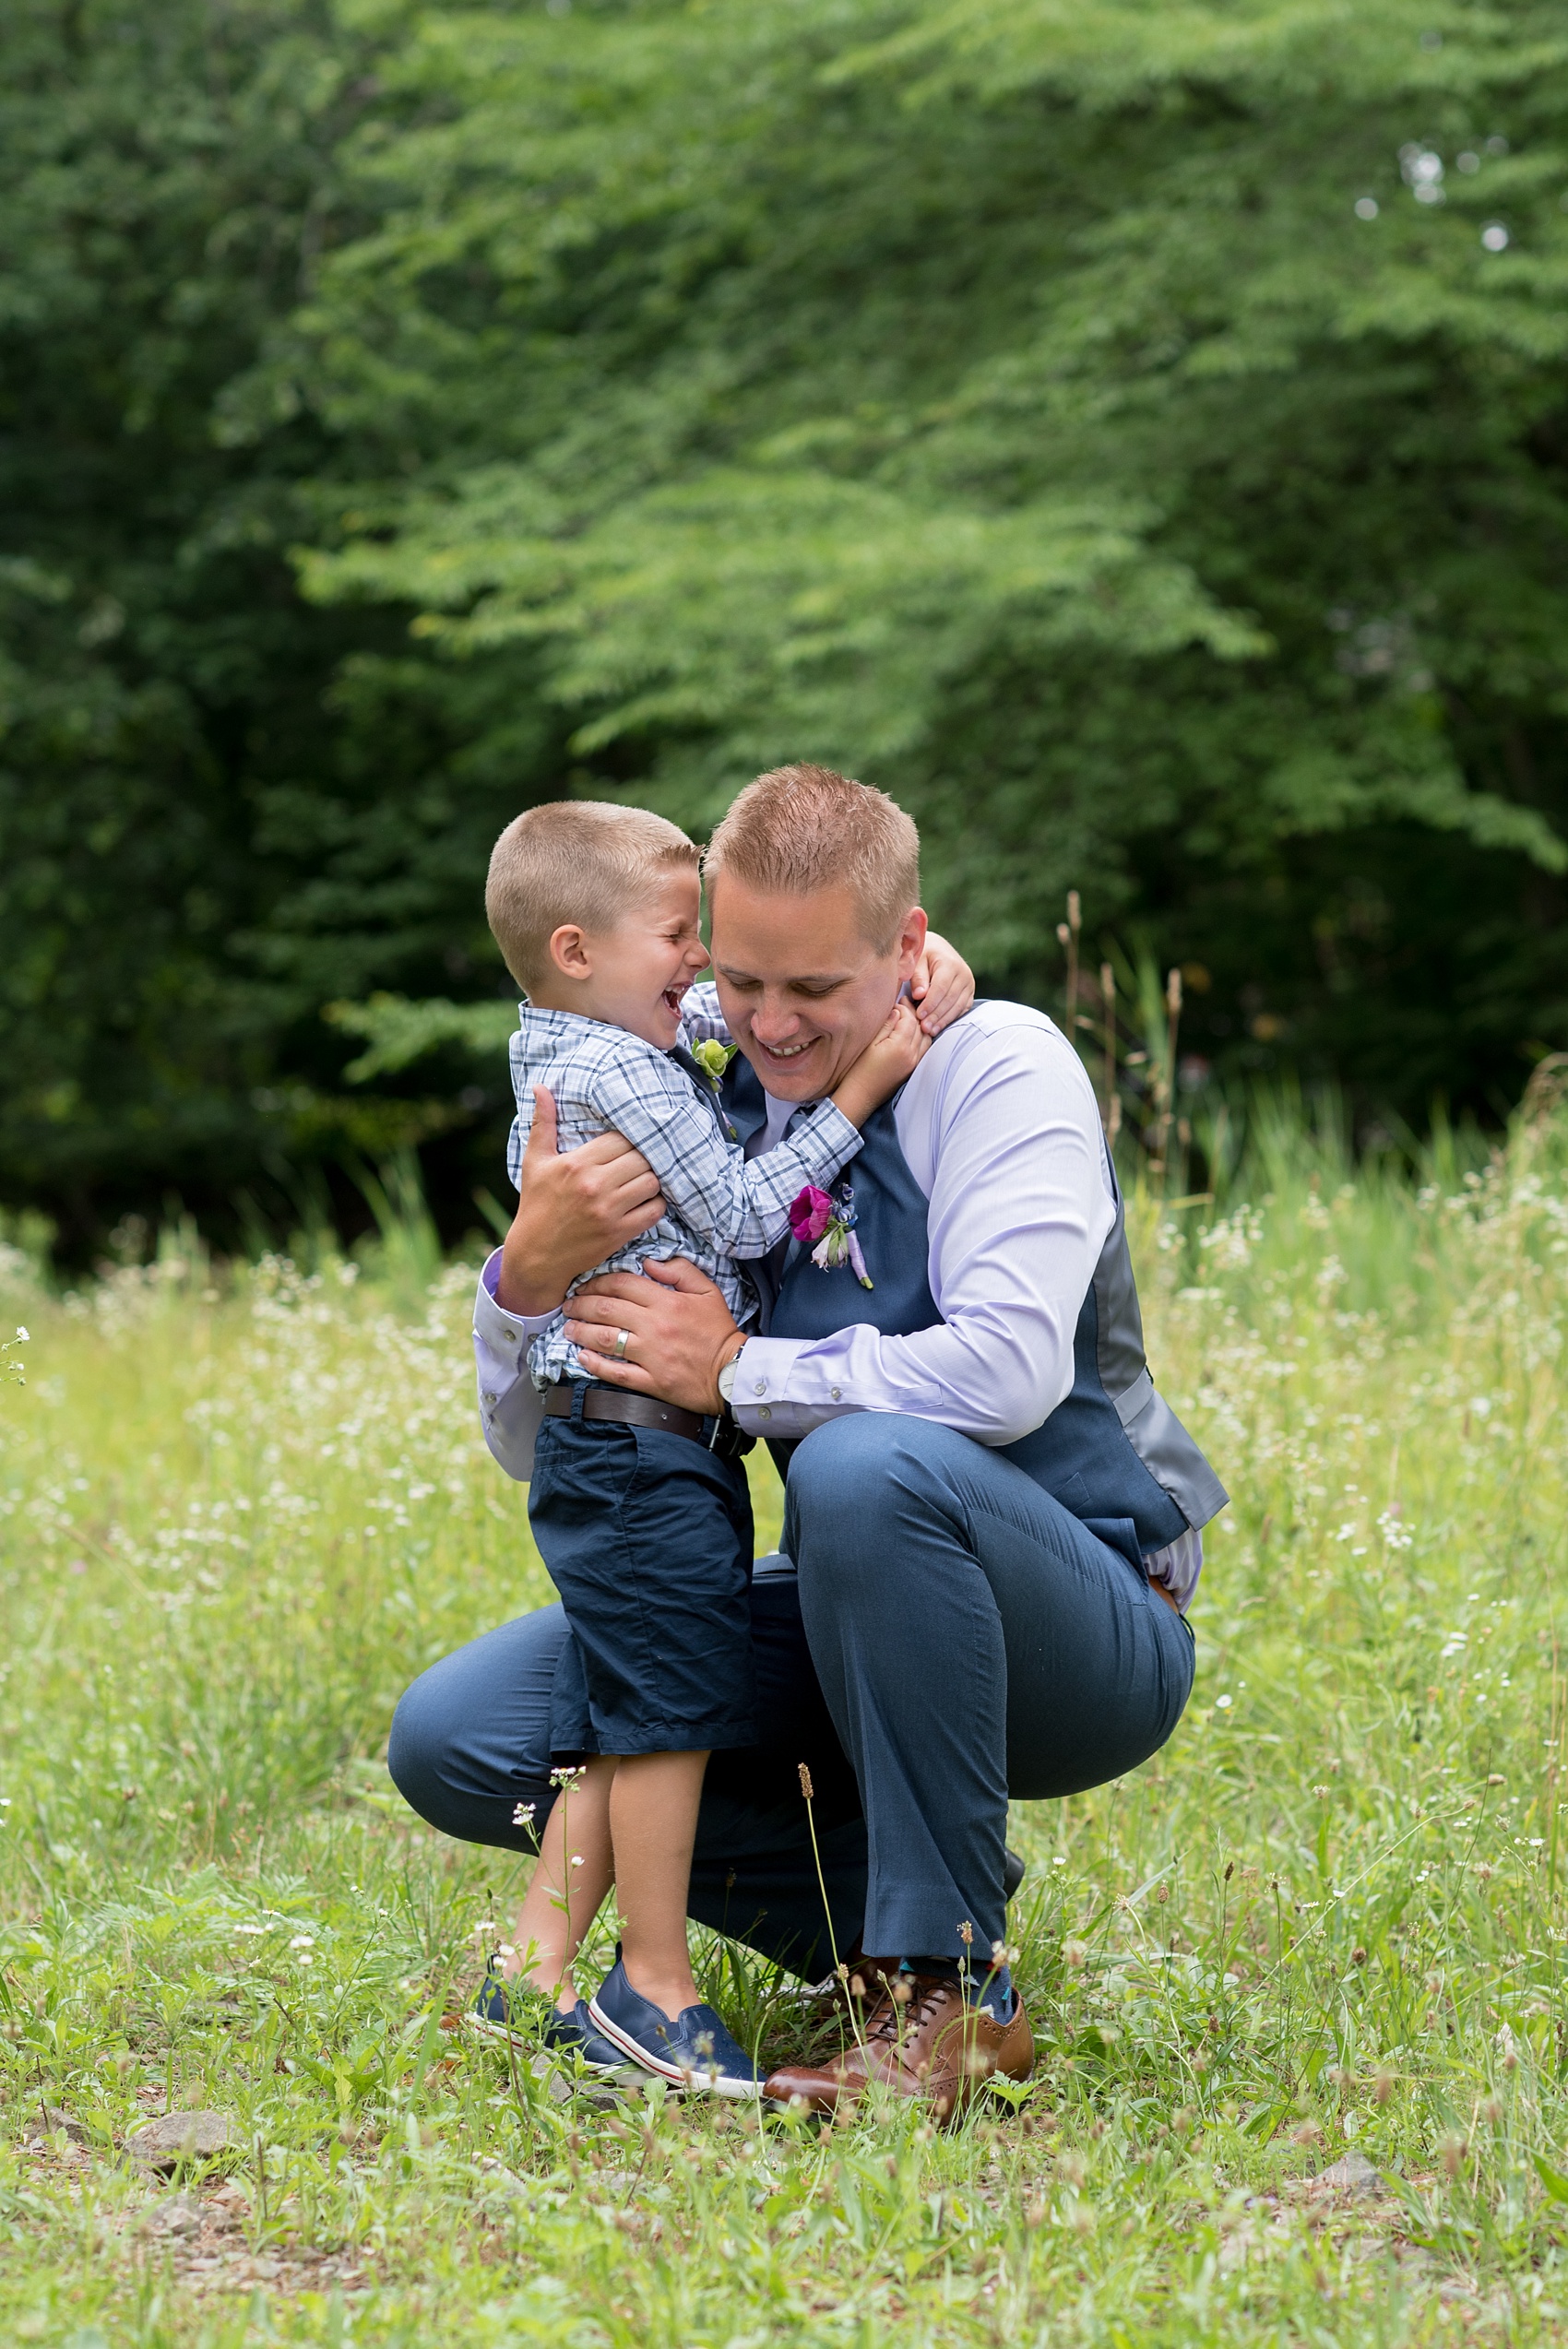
x: 911, y: 941
x: 569, y: 951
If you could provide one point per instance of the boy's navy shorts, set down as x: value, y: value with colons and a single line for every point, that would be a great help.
x: 648, y: 1536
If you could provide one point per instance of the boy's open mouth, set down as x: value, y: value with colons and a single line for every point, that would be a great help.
x: 672, y: 996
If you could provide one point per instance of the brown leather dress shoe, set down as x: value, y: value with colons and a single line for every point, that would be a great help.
x: 837, y: 1998
x: 917, y: 2039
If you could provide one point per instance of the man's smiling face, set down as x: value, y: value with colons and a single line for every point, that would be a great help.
x: 802, y: 988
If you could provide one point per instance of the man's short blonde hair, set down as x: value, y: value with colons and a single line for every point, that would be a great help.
x: 800, y: 830
x: 582, y: 860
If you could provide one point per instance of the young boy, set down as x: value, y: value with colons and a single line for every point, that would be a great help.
x: 641, y: 1512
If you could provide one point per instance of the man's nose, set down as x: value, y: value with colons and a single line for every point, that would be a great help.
x: 775, y: 1022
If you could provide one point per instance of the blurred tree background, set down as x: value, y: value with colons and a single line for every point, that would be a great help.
x: 1135, y: 434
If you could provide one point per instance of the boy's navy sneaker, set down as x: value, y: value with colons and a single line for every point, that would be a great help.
x: 575, y: 2034
x: 502, y: 2013
x: 691, y: 2050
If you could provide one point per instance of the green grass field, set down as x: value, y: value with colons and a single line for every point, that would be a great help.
x: 237, y: 1516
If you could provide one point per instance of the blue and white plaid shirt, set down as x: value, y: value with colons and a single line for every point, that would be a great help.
x: 720, y: 1205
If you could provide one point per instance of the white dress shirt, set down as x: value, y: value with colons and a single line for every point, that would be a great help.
x: 1000, y: 1127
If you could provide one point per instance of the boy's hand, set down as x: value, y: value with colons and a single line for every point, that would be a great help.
x: 943, y: 986
x: 892, y: 1054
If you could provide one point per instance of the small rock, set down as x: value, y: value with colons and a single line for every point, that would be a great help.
x: 556, y: 2087
x: 177, y: 2215
x: 603, y: 2093
x: 179, y: 2137
x: 55, y: 2120
x: 1352, y: 2173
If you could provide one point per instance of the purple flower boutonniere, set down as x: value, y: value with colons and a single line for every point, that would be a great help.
x: 826, y: 1226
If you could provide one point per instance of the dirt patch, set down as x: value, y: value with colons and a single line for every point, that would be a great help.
x: 208, y: 2242
x: 205, y: 2237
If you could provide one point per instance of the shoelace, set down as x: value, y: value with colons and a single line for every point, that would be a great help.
x: 927, y: 1994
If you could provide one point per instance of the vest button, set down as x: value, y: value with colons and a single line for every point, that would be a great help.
x: 764, y: 1412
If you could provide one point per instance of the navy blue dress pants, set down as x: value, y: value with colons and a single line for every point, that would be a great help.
x: 940, y: 1636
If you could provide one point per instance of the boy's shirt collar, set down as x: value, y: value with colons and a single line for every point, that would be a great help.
x: 538, y: 1018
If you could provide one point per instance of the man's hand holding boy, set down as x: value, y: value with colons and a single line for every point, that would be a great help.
x: 575, y: 1207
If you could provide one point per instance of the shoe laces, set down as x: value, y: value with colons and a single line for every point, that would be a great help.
x: 927, y: 1993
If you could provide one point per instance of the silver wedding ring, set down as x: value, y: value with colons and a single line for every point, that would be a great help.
x: 623, y: 1339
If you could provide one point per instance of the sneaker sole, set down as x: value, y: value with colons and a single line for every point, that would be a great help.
x: 502, y: 2033
x: 709, y: 2084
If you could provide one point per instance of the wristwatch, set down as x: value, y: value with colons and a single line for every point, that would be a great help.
x: 727, y: 1378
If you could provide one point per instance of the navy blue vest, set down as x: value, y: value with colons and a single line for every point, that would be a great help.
x: 1113, y: 1451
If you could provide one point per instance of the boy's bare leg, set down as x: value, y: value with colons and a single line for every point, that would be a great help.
x: 573, y: 1874
x: 653, y: 1822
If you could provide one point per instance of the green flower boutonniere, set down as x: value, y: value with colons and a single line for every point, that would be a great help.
x: 713, y: 1059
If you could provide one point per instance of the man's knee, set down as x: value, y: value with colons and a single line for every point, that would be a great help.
x: 415, y: 1744
x: 839, y: 1463
x: 848, y: 1481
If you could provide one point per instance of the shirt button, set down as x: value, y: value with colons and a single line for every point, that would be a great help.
x: 507, y: 1331
x: 836, y: 1393
x: 765, y: 1413
x: 760, y: 1387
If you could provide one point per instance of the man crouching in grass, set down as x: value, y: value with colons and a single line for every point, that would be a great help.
x: 992, y: 1520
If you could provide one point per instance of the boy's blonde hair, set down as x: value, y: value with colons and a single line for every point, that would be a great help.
x: 582, y: 861
x: 799, y: 829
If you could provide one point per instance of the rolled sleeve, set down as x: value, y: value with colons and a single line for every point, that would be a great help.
x: 510, y: 1408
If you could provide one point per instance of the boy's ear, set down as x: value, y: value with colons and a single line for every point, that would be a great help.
x: 569, y: 951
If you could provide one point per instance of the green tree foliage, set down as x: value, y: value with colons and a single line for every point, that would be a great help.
x: 1134, y: 433
x: 219, y: 807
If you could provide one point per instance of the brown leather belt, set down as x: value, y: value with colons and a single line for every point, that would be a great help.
x: 646, y: 1411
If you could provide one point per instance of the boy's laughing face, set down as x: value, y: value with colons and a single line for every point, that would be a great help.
x: 634, y: 975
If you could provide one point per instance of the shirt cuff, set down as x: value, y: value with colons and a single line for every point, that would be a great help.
x: 833, y: 1135
x: 1176, y: 1566
x: 763, y: 1405
x: 493, y: 1320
